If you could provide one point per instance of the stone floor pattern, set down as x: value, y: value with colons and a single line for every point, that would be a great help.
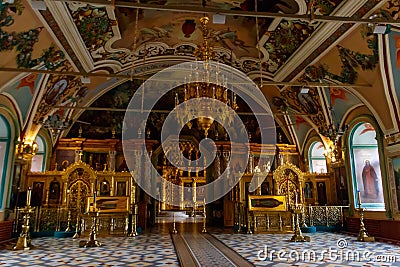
x: 155, y: 248
x: 325, y: 249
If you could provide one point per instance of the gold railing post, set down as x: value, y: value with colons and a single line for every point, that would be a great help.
x: 327, y: 215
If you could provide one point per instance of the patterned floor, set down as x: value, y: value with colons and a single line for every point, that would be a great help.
x: 325, y: 249
x: 155, y: 248
x: 150, y: 249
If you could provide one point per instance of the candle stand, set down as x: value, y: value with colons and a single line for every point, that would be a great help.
x: 362, y: 234
x: 298, y: 235
x: 92, y: 242
x: 133, y: 232
x: 174, y: 231
x: 24, y: 239
x: 204, y: 230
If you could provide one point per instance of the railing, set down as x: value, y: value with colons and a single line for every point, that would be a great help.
x: 324, y: 215
x: 47, y: 219
x: 282, y: 221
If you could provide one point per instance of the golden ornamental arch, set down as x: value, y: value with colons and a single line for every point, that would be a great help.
x: 75, y: 166
x: 289, y: 179
x: 79, y: 183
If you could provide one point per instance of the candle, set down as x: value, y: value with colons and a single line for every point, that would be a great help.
x: 359, y: 198
x: 94, y: 200
x: 296, y: 198
x: 28, y: 196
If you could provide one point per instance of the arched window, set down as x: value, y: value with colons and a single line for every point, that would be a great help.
x: 39, y: 160
x: 365, y: 167
x: 316, y: 158
x: 4, y: 153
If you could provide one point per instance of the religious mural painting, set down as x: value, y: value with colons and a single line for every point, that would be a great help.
x: 366, y: 170
x: 37, y: 194
x: 121, y: 189
x: 341, y: 185
x: 321, y: 193
x: 105, y: 188
x: 308, y: 190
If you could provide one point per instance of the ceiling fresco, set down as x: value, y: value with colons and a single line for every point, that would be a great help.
x: 23, y: 42
x: 115, y: 40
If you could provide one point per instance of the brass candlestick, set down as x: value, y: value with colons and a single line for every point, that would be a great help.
x: 24, y: 239
x: 204, y: 230
x: 249, y: 232
x: 77, y: 233
x: 133, y: 230
x: 69, y: 220
x: 362, y: 234
x: 174, y: 231
x: 297, y: 209
x: 92, y: 242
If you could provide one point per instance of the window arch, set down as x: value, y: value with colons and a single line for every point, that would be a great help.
x: 316, y: 158
x: 4, y: 153
x: 39, y: 160
x: 365, y: 166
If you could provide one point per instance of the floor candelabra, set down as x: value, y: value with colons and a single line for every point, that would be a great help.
x: 204, y: 230
x: 174, y: 231
x: 92, y: 242
x: 298, y: 235
x: 24, y: 239
x: 134, y: 214
x: 362, y: 234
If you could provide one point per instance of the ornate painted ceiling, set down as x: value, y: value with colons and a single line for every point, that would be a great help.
x: 136, y: 39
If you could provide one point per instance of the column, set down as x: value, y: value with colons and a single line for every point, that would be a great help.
x: 226, y: 157
x: 111, y: 164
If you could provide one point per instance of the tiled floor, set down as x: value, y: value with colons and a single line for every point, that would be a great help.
x: 149, y: 249
x: 325, y: 249
x: 155, y: 248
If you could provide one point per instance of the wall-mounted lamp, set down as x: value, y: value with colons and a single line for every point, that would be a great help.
x: 26, y: 150
x: 334, y: 153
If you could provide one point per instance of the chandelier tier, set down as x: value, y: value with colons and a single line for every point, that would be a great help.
x: 208, y: 88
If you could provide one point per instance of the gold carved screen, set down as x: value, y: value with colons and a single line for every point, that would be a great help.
x: 288, y: 179
x: 79, y: 179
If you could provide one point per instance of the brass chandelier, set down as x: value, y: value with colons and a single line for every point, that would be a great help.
x: 198, y: 86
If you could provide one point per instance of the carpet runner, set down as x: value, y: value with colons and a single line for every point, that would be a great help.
x: 203, y: 249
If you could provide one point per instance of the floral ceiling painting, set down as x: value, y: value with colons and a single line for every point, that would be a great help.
x: 123, y: 37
